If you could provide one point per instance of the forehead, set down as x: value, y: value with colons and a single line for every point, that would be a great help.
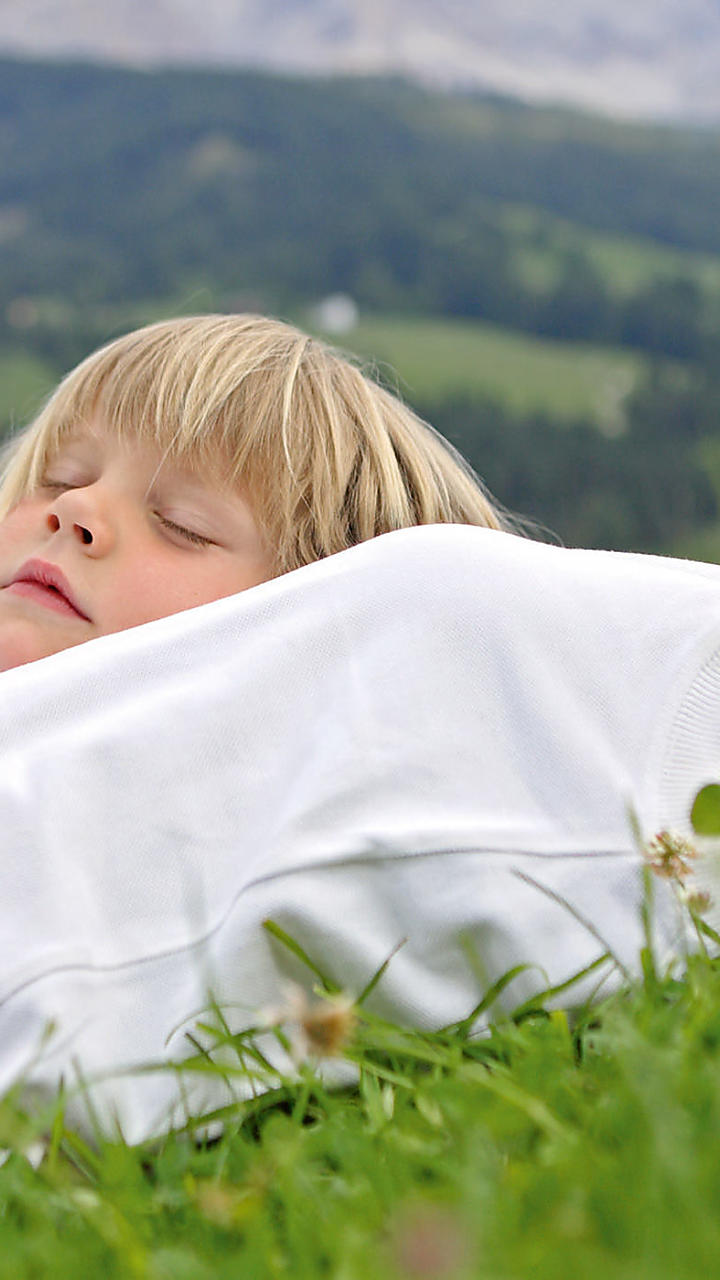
x: 96, y: 441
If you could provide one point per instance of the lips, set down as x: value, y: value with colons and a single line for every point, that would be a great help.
x: 47, y: 585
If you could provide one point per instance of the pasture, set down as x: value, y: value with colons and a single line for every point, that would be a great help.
x: 551, y: 1144
x: 436, y: 358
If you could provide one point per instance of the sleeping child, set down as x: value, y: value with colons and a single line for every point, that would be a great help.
x: 270, y: 652
x: 196, y: 458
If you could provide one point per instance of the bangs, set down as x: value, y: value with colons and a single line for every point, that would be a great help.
x: 325, y: 456
x: 189, y: 387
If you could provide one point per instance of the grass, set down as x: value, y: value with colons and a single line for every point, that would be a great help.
x: 544, y: 1147
x: 433, y: 358
x: 625, y: 264
x: 25, y: 380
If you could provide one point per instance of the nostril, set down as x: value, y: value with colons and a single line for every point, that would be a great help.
x: 85, y: 534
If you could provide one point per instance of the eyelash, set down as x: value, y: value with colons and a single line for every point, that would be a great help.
x: 188, y: 534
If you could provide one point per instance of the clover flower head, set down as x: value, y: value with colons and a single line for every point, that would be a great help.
x: 317, y: 1028
x: 698, y: 901
x: 669, y: 854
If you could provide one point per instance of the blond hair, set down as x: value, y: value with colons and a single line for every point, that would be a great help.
x: 326, y: 456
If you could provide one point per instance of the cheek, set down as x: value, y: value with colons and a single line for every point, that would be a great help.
x: 19, y: 524
x: 28, y: 515
x: 160, y: 586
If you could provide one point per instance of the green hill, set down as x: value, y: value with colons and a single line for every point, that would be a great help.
x: 118, y: 184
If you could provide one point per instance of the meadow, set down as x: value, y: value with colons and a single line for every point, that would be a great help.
x: 555, y: 1141
x: 24, y: 380
x: 625, y: 263
x: 436, y: 357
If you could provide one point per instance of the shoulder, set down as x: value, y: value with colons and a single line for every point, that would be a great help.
x: 466, y: 561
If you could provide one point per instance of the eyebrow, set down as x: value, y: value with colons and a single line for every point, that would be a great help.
x: 169, y: 474
x: 169, y: 471
x: 219, y: 503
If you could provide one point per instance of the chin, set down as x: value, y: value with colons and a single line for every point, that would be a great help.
x: 16, y: 649
x: 11, y: 660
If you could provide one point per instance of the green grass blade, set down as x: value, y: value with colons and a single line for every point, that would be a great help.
x: 281, y: 936
x: 379, y: 973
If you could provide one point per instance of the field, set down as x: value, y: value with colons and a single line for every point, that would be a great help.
x: 547, y: 1147
x: 24, y: 381
x: 432, y: 359
x: 625, y: 263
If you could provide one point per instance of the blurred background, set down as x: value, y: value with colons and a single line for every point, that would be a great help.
x: 510, y: 210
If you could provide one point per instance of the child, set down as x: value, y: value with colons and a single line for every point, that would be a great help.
x: 432, y: 736
x: 195, y: 458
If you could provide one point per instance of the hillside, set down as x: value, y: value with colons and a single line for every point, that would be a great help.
x: 119, y: 184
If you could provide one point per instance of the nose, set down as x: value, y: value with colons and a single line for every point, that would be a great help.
x: 78, y: 513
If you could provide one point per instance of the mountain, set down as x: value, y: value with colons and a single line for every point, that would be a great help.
x: 652, y: 59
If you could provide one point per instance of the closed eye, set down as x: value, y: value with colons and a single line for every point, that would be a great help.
x: 188, y: 534
x: 57, y: 485
x: 60, y: 486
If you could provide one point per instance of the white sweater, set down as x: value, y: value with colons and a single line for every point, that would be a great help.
x: 433, y: 736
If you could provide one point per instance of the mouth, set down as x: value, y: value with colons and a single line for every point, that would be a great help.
x: 47, y: 585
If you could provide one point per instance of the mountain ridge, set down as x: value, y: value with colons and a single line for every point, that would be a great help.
x: 655, y: 60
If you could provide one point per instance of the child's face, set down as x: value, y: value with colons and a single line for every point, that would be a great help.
x: 124, y: 540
